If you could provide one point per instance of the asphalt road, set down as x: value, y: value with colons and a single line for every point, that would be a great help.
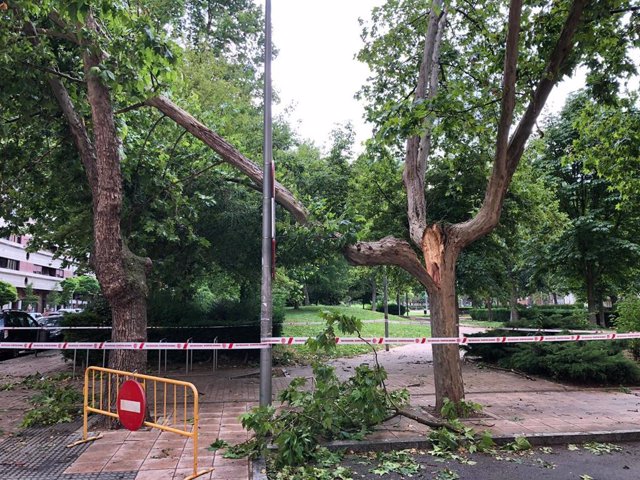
x: 560, y: 463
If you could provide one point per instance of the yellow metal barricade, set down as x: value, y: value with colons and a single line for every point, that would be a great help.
x: 172, y: 405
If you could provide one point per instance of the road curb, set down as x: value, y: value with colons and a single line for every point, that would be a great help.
x: 258, y: 470
x: 536, y: 439
x: 258, y: 466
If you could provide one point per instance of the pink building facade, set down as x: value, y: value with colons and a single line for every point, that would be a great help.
x: 38, y: 269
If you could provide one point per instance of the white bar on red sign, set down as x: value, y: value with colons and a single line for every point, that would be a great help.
x: 129, y: 406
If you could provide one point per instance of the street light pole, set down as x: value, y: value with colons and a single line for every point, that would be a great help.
x: 268, y: 221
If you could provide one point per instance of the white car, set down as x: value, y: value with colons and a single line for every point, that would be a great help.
x: 69, y: 310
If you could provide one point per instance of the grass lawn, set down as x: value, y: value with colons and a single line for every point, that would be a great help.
x: 301, y: 354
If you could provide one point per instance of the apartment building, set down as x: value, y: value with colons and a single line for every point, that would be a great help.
x: 21, y: 268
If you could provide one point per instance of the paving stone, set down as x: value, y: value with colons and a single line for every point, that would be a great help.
x: 42, y: 454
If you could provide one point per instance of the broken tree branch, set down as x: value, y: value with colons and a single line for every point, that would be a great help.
x: 228, y: 153
x: 389, y: 251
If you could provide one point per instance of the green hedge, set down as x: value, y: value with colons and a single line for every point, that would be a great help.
x: 498, y: 314
x: 600, y: 363
x: 231, y: 321
x: 545, y: 316
x: 393, y: 309
x: 552, y: 310
x: 577, y: 322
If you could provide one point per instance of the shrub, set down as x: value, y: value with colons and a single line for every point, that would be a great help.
x: 498, y: 314
x: 581, y: 362
x: 492, y: 353
x: 8, y: 293
x: 393, y: 308
x: 628, y: 320
x: 555, y: 321
x: 543, y: 311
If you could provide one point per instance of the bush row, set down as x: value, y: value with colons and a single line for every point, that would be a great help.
x: 394, y: 309
x: 537, y: 313
x: 600, y: 363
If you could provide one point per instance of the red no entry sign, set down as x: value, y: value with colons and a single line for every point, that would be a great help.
x: 131, y: 405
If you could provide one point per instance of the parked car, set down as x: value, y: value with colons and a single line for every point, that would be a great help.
x: 69, y: 310
x: 37, y: 316
x: 18, y: 318
x: 55, y: 334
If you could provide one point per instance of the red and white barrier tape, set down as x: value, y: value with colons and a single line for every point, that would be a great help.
x: 129, y: 346
x: 458, y: 340
x: 266, y: 342
x: 109, y: 328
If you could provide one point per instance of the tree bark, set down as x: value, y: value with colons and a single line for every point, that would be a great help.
x: 228, y: 153
x: 447, y: 367
x: 488, y: 305
x: 385, y: 303
x: 305, y: 290
x: 374, y: 293
x: 601, y: 318
x: 122, y: 275
x: 514, y: 316
x: 591, y: 294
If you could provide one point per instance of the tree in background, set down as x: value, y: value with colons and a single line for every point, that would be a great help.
x: 30, y: 300
x: 8, y: 293
x: 598, y: 251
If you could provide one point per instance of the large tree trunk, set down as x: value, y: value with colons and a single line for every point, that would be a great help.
x: 374, y: 293
x: 513, y: 304
x: 129, y: 314
x: 305, y: 291
x: 446, y: 358
x: 488, y: 303
x: 591, y: 294
x: 601, y: 316
x: 385, y: 303
x: 121, y: 274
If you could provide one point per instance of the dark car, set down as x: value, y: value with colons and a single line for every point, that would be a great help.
x: 51, y: 321
x: 18, y: 318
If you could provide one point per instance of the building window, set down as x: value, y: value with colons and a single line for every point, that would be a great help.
x: 9, y: 263
x: 52, y: 272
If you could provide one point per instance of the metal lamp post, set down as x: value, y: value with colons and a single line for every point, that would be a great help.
x: 268, y: 221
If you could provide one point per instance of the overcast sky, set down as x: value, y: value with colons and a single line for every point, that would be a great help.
x: 316, y: 72
x: 315, y: 69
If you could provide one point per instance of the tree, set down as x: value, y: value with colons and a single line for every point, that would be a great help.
x: 8, y: 293
x: 598, y: 251
x: 30, y: 299
x: 463, y: 76
x: 85, y: 62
